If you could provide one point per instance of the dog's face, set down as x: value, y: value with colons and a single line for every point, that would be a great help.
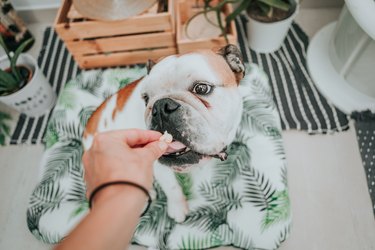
x: 195, y: 98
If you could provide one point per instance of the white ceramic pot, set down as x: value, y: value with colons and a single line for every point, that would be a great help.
x: 268, y: 37
x: 37, y: 96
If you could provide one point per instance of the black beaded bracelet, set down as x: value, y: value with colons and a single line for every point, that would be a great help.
x: 104, y: 185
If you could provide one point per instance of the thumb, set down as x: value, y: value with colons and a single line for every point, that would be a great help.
x: 154, y: 150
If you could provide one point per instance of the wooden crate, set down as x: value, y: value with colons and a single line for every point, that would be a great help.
x: 184, y: 11
x: 95, y: 44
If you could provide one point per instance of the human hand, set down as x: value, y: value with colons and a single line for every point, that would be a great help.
x: 126, y: 155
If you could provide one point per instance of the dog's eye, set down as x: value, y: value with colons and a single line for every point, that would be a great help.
x: 145, y: 98
x: 202, y: 89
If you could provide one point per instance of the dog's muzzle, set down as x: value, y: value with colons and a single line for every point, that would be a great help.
x: 166, y: 116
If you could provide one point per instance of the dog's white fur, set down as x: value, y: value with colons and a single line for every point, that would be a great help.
x: 171, y: 78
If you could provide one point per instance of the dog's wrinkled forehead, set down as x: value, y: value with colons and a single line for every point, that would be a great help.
x: 185, y: 69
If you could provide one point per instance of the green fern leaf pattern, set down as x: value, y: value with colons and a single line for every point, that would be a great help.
x: 124, y: 82
x: 85, y: 114
x: 259, y: 119
x: 194, y: 242
x: 258, y: 189
x: 52, y: 136
x: 82, y: 208
x: 208, y: 218
x: 219, y: 195
x: 64, y: 158
x: 277, y: 210
x: 227, y: 171
x: 68, y: 98
x: 186, y: 182
x: 91, y: 82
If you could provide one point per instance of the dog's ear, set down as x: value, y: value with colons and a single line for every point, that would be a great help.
x: 149, y: 65
x: 233, y: 57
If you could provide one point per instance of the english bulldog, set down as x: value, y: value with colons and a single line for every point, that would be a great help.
x: 193, y: 96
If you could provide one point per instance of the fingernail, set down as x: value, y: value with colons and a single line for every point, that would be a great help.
x: 162, y: 145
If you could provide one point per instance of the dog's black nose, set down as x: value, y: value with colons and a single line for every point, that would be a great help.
x: 164, y: 107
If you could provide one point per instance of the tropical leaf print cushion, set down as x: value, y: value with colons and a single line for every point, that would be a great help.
x: 242, y: 201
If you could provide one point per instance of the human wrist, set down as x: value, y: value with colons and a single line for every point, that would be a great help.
x: 112, y: 192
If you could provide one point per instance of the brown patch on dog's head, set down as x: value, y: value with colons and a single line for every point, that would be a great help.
x: 219, y: 65
x: 93, y: 121
x: 227, y: 63
x: 123, y: 96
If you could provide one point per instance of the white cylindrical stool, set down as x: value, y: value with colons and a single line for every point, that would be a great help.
x: 341, y: 58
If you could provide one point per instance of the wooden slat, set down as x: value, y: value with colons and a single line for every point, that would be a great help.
x: 74, y: 14
x: 92, y: 29
x: 185, y: 46
x: 122, y: 43
x: 62, y: 12
x: 172, y: 14
x: 124, y: 58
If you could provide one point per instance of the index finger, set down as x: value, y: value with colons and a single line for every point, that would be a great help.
x: 134, y: 137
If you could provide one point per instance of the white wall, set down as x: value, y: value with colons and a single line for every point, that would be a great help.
x: 35, y: 4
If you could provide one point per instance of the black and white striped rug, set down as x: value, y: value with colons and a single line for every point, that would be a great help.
x: 58, y: 66
x: 300, y: 104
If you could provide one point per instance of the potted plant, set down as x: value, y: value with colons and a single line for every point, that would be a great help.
x: 268, y: 20
x: 22, y: 85
x: 268, y: 23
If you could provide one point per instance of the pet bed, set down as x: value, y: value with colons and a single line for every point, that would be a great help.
x: 242, y: 201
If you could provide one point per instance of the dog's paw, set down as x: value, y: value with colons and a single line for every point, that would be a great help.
x: 178, y: 209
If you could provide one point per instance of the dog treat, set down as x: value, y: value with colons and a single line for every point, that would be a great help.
x: 166, y: 137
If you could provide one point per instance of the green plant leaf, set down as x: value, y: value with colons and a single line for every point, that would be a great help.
x: 243, y: 6
x: 14, y: 59
x: 278, y: 4
x: 265, y: 8
x: 8, y: 82
x: 5, y: 47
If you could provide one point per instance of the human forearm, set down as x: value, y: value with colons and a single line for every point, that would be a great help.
x: 111, y: 222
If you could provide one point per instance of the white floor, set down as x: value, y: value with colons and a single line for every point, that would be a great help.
x: 330, y: 201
